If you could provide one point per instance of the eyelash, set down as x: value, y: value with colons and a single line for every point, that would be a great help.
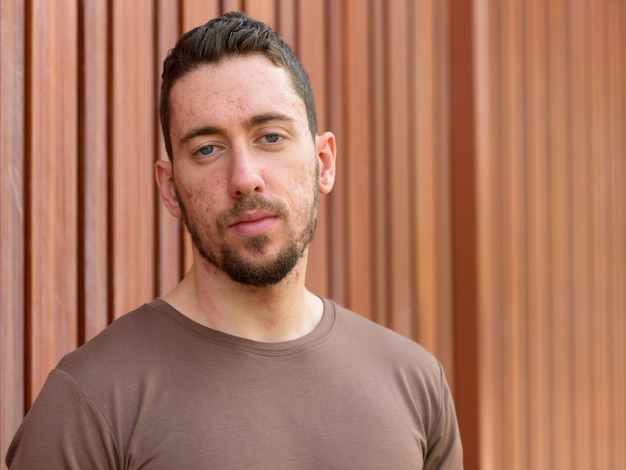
x: 279, y: 138
x: 210, y: 146
x: 214, y: 147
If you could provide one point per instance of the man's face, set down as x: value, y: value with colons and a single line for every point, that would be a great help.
x: 246, y: 169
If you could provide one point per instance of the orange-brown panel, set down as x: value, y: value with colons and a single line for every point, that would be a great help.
x: 52, y: 209
x: 355, y: 161
x: 12, y: 216
x: 232, y: 5
x: 489, y: 243
x: 396, y: 155
x: 286, y: 23
x: 513, y: 219
x: 536, y: 90
x: 463, y: 171
x: 196, y: 12
x: 599, y: 222
x: 377, y: 45
x: 132, y: 154
x: 559, y: 243
x: 310, y: 50
x: 582, y: 354
x: 337, y: 231
x: 170, y: 233
x: 431, y: 184
x: 262, y: 10
x: 616, y: 71
x: 425, y: 175
x: 93, y: 164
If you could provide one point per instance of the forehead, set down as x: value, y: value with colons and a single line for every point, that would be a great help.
x: 232, y: 92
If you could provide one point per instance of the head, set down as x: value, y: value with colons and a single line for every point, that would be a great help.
x: 233, y: 35
x: 246, y: 164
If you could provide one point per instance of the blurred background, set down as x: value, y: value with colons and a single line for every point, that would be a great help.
x: 480, y: 207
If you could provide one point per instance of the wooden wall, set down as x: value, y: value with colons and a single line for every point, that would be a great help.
x: 480, y: 204
x: 551, y: 202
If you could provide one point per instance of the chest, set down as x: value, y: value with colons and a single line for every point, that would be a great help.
x: 273, y: 416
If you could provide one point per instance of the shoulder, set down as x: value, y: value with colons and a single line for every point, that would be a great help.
x: 128, y: 345
x: 408, y: 371
x: 366, y: 335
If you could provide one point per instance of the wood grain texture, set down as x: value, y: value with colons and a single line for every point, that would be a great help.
x: 12, y: 213
x: 132, y: 154
x: 355, y: 162
x: 173, y: 241
x: 549, y: 151
x: 51, y: 159
x: 93, y: 167
x: 399, y: 202
x: 310, y: 48
x: 536, y: 124
x: 463, y: 214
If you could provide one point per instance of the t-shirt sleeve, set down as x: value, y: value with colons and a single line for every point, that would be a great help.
x: 63, y: 429
x: 444, y: 441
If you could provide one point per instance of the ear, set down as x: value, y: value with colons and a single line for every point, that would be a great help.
x: 326, y: 152
x: 164, y: 175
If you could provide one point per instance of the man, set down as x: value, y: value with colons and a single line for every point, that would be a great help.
x: 240, y: 366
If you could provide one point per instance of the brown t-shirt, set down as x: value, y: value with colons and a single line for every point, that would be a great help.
x: 156, y: 390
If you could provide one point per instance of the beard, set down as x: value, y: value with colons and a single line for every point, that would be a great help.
x: 248, y: 272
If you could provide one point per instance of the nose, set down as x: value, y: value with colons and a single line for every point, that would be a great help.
x: 246, y: 176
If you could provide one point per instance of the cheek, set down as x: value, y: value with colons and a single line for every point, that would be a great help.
x: 196, y: 199
x: 301, y: 187
x: 300, y: 177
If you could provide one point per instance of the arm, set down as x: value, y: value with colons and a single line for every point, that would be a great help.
x: 444, y: 441
x: 63, y: 429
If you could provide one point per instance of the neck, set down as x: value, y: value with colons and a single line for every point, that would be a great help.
x: 280, y: 312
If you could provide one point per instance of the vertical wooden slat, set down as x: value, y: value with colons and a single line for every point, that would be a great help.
x: 93, y: 170
x: 578, y: 38
x: 442, y: 243
x: 431, y: 175
x: 598, y: 221
x: 133, y: 150
x: 513, y: 180
x: 338, y: 231
x: 538, y: 194
x: 355, y: 145
x: 286, y: 23
x: 170, y: 232
x: 488, y: 148
x: 196, y: 12
x: 399, y: 205
x: 559, y: 251
x: 617, y: 123
x: 12, y: 195
x: 231, y: 5
x: 463, y: 171
x: 262, y: 10
x: 376, y: 45
x: 311, y: 52
x: 423, y: 140
x: 52, y: 188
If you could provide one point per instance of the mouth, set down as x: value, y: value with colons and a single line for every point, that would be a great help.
x: 253, y: 223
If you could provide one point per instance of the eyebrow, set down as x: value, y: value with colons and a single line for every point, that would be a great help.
x: 252, y: 122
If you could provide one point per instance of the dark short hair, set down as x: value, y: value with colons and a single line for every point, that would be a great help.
x: 233, y: 35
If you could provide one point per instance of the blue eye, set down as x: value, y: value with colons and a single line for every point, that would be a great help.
x: 206, y: 150
x: 272, y: 138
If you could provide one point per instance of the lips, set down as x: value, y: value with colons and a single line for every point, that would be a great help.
x: 253, y: 223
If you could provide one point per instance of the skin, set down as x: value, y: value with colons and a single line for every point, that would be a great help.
x: 240, y: 134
